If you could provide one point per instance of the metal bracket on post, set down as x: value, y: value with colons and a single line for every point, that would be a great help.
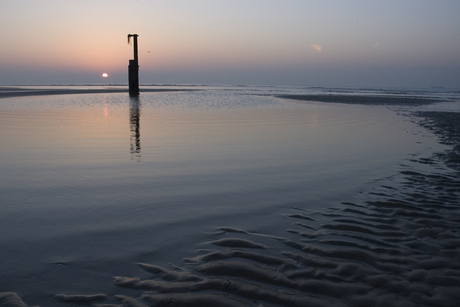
x: 133, y: 69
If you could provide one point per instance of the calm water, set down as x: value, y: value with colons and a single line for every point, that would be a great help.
x: 90, y: 184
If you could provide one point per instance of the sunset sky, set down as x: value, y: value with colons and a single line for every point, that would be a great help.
x: 403, y: 43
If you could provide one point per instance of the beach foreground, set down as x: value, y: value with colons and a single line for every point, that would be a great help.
x: 385, y: 239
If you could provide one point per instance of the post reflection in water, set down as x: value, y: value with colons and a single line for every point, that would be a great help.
x: 135, y: 135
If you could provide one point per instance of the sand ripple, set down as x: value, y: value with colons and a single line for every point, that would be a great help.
x: 400, y: 251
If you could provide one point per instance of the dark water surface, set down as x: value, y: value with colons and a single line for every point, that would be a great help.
x: 233, y: 196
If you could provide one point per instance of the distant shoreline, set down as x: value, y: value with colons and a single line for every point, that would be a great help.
x: 20, y: 92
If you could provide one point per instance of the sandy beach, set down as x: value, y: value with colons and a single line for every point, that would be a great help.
x: 389, y: 239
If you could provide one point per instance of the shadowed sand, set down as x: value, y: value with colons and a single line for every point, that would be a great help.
x: 400, y: 248
x: 10, y: 299
x: 18, y: 92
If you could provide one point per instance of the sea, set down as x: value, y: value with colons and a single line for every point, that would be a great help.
x: 195, y: 195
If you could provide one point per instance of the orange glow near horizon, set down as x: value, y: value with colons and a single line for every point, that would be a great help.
x: 66, y: 42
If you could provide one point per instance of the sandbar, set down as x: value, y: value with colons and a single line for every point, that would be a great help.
x: 19, y: 92
x: 366, y: 100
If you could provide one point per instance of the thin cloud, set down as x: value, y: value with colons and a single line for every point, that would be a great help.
x: 317, y: 47
x: 375, y: 46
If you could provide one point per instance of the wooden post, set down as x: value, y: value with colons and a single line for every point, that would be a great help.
x: 133, y: 69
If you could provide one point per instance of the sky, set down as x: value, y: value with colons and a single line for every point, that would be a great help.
x: 337, y: 43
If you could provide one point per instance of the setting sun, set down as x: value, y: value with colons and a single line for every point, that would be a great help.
x: 105, y: 75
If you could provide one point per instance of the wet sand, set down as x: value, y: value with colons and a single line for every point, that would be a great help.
x: 8, y: 92
x: 366, y: 100
x: 446, y: 125
x: 401, y: 247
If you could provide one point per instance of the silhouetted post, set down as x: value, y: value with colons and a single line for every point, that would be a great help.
x: 133, y: 69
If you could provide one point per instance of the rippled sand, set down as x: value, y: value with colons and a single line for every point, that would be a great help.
x: 399, y: 248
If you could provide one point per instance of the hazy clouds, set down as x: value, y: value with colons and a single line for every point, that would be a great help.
x: 329, y: 43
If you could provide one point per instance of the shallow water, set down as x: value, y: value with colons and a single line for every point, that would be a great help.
x: 91, y: 184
